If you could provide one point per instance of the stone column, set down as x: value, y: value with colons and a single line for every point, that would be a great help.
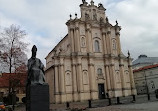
x: 118, y: 42
x: 108, y: 82
x: 74, y: 80
x: 133, y: 89
x: 108, y: 42
x: 92, y: 79
x: 80, y: 79
x: 57, y: 97
x: 123, y: 82
x: 104, y: 43
x: 90, y: 40
x: 77, y: 39
x: 113, y: 79
x: 62, y: 80
x: 72, y: 39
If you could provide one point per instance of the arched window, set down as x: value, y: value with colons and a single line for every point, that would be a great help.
x: 68, y: 79
x: 99, y: 71
x: 85, y: 78
x: 97, y: 48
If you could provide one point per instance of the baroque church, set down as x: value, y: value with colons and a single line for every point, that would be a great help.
x: 88, y: 64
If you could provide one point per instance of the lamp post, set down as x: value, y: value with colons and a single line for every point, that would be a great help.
x: 146, y: 84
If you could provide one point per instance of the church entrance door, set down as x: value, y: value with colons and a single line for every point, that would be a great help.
x: 101, y: 91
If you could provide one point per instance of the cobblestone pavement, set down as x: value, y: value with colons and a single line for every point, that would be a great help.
x: 141, y: 104
x: 148, y: 106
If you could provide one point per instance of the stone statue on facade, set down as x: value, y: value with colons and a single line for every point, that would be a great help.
x: 35, y: 69
x: 94, y: 16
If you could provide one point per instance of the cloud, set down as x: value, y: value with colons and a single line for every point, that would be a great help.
x: 44, y: 21
x: 139, y: 25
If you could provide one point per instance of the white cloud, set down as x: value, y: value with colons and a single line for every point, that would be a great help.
x: 44, y: 21
x: 138, y: 19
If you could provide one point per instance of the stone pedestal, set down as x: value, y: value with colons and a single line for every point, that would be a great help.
x: 37, y: 98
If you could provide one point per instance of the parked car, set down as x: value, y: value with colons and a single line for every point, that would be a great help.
x: 2, y: 106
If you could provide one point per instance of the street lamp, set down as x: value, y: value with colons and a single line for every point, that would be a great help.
x: 146, y: 84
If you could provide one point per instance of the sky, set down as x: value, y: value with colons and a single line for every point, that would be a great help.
x: 44, y: 21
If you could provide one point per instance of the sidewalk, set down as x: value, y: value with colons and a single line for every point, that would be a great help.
x: 141, y: 104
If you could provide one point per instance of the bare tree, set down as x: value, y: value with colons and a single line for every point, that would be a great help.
x: 12, y: 49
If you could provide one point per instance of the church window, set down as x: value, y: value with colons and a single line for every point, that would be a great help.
x: 87, y: 16
x: 97, y: 48
x: 68, y: 79
x: 85, y: 78
x: 99, y: 71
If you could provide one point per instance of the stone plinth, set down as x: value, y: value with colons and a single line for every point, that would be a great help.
x: 38, y: 98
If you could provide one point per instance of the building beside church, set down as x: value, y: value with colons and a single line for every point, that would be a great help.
x: 146, y: 79
x: 88, y: 63
x: 13, y: 78
x: 144, y: 60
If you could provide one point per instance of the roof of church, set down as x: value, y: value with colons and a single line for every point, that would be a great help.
x: 145, y: 68
x: 56, y: 45
x: 143, y: 59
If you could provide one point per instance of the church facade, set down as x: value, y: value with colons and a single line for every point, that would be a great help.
x: 88, y: 64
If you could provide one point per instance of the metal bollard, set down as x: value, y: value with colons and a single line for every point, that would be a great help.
x: 89, y: 103
x: 134, y: 98
x: 109, y: 101
x: 67, y: 104
x: 118, y: 100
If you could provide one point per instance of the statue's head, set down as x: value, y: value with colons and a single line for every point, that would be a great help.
x: 34, y: 50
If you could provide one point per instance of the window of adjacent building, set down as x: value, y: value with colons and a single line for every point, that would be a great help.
x: 99, y: 71
x: 152, y: 84
x: 97, y: 48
